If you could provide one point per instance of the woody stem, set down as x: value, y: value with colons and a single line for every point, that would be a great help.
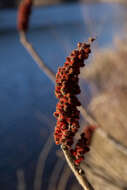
x: 78, y: 172
x: 28, y: 46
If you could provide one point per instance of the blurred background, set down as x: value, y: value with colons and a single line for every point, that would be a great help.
x: 29, y: 158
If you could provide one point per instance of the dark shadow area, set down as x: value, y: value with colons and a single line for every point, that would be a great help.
x: 15, y: 3
x: 8, y: 3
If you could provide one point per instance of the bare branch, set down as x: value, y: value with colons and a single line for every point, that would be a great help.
x: 21, y: 180
x: 78, y: 172
x: 41, y: 163
x: 28, y: 46
x: 56, y: 174
x: 64, y: 178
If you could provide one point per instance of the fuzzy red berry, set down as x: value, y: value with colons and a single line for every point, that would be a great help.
x: 67, y: 87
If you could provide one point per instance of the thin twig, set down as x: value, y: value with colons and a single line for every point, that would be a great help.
x: 41, y: 163
x: 56, y: 174
x: 35, y: 56
x: 101, y: 132
x: 21, y: 180
x: 78, y: 172
x: 64, y: 178
x: 112, y: 140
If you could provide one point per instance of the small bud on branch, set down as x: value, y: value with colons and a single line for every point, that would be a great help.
x: 24, y: 12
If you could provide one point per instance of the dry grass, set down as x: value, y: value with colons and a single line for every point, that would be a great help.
x: 107, y: 74
x: 108, y: 68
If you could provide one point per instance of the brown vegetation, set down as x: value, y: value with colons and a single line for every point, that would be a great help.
x: 107, y: 75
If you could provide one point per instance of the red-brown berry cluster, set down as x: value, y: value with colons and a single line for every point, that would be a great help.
x: 67, y: 87
x: 67, y: 114
x: 82, y: 145
x: 24, y: 14
x: 80, y: 149
x: 89, y: 130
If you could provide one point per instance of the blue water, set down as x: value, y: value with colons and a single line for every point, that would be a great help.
x: 26, y: 93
